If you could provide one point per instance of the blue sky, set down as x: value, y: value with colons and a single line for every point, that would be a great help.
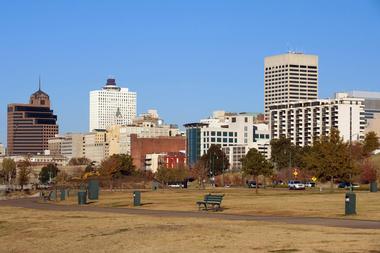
x: 184, y: 58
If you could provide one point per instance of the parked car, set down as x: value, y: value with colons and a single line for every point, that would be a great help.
x: 176, y: 185
x: 346, y: 185
x: 309, y: 184
x: 296, y: 185
x: 252, y: 184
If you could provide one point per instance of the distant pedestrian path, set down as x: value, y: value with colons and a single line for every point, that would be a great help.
x: 32, y: 203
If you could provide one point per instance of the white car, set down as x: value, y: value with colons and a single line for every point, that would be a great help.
x: 296, y: 185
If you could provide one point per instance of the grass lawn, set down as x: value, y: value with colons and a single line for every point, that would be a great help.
x: 26, y: 230
x: 245, y: 201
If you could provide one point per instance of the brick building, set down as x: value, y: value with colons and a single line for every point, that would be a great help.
x: 174, y: 159
x: 140, y: 147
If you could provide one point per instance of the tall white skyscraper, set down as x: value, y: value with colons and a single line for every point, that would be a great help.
x: 112, y: 105
x: 289, y: 77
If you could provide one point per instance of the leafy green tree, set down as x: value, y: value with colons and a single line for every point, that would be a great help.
x: 109, y: 169
x: 281, y: 152
x: 90, y: 167
x: 174, y: 175
x: 163, y: 175
x: 215, y: 160
x: 116, y: 166
x: 8, y: 170
x: 371, y: 143
x: 255, y: 164
x: 24, y: 171
x: 200, y: 172
x: 329, y: 158
x: 48, y: 173
x: 127, y: 167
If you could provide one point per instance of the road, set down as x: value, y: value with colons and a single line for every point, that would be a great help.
x: 32, y: 203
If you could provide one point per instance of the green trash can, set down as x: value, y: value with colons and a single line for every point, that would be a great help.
x: 350, y: 203
x: 136, y: 198
x: 82, y: 197
x: 93, y: 189
x: 373, y: 186
x: 53, y: 195
x: 63, y: 194
x: 155, y: 185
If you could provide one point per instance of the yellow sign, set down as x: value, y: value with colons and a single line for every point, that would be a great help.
x: 295, y: 173
x: 314, y: 179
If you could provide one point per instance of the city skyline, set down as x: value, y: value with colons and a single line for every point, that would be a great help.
x: 173, y: 75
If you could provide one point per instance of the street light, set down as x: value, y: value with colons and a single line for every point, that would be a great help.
x: 351, y: 187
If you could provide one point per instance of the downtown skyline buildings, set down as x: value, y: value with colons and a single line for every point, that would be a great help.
x: 202, y: 49
x: 114, y: 105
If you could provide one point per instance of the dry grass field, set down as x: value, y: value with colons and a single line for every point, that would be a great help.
x: 282, y: 202
x: 26, y: 230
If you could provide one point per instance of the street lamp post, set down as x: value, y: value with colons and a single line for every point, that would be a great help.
x: 350, y: 141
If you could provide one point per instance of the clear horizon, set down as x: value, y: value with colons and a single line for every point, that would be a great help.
x: 185, y: 59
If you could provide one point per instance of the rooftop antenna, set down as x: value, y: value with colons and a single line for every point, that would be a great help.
x: 39, y: 82
x: 290, y: 49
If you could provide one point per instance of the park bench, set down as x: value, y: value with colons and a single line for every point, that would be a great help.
x: 211, y: 200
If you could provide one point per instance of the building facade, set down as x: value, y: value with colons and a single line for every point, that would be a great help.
x: 289, y: 77
x: 140, y: 147
x: 371, y: 109
x: 2, y: 149
x: 30, y: 126
x: 70, y: 145
x: 169, y: 160
x: 112, y: 105
x: 96, y: 145
x: 305, y: 120
x: 147, y: 125
x: 232, y: 132
x: 371, y: 102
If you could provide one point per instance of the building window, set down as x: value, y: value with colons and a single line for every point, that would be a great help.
x: 233, y: 119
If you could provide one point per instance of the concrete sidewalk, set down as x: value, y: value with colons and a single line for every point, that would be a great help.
x: 32, y: 203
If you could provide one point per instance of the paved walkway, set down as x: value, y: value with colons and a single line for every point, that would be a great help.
x: 33, y: 203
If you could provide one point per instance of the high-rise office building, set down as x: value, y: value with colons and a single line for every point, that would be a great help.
x: 112, y: 105
x: 30, y: 126
x: 288, y: 78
